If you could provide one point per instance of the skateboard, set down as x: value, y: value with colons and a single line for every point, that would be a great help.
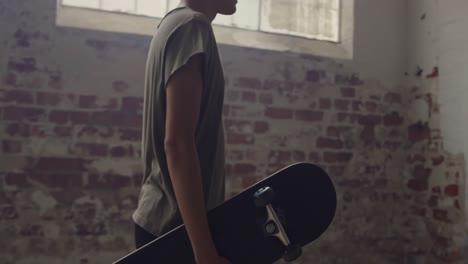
x: 270, y: 220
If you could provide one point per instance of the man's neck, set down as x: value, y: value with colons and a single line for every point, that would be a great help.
x: 202, y: 7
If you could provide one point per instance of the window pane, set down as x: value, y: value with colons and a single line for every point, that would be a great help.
x: 127, y: 6
x: 307, y: 18
x: 173, y: 4
x: 154, y: 8
x: 82, y: 3
x: 247, y: 15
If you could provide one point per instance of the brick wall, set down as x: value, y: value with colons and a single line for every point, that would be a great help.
x: 70, y: 111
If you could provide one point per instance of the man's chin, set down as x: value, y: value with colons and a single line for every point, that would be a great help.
x: 228, y: 12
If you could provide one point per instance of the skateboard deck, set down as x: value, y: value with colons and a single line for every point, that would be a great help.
x: 270, y: 220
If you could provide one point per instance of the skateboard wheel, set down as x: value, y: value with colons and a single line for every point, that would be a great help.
x: 292, y: 253
x: 271, y: 228
x: 264, y: 196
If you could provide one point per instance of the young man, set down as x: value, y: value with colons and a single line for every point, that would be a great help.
x: 183, y: 135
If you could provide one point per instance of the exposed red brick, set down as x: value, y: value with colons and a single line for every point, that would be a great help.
x: 336, y: 171
x: 247, y: 82
x: 18, y: 129
x: 280, y: 156
x: 58, y: 164
x: 108, y: 181
x: 278, y: 113
x: 118, y: 152
x: 419, y: 211
x: 25, y: 65
x: 314, y: 156
x: 261, y: 127
x: 132, y: 104
x: 418, y: 132
x: 87, y: 101
x: 18, y: 96
x: 329, y: 143
x: 15, y: 113
x: 11, y: 146
x: 36, y: 83
x: 248, y: 181
x: 336, y: 131
x: 370, y: 120
x: 130, y: 134
x: 418, y: 185
x: 10, y: 79
x: 63, y: 131
x: 342, y: 105
x: 433, y: 201
x: 235, y: 125
x: 232, y: 96
x: 226, y: 109
x: 265, y: 98
x: 392, y: 98
x: 314, y: 75
x: 106, y: 118
x: 94, y: 149
x: 436, y: 161
x: 63, y: 180
x: 309, y: 115
x: 352, y: 79
x: 368, y: 134
x: 79, y: 117
x: 16, y: 179
x: 244, y: 169
x: 371, y: 106
x: 416, y: 158
x: 324, y: 103
x: 357, y: 105
x: 241, y: 139
x: 436, y: 189
x: 441, y: 215
x: 348, y: 92
x: 337, y: 156
x: 349, y: 118
x: 354, y: 183
x: 421, y: 173
x: 112, y: 104
x: 237, y: 110
x: 129, y: 119
x: 298, y: 155
x: 45, y: 98
x: 249, y: 97
x: 452, y: 190
x: 38, y: 130
x: 235, y: 155
x: 393, y: 119
x: 58, y: 116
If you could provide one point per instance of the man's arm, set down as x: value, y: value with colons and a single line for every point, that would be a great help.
x: 183, y: 98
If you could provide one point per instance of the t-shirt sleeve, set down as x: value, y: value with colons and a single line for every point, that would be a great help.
x: 187, y: 41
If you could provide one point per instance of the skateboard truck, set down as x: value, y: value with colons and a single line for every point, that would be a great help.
x: 273, y: 227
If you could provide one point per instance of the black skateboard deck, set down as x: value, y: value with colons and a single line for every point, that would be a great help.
x: 270, y: 220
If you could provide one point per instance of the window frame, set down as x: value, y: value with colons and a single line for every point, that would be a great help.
x: 101, y: 20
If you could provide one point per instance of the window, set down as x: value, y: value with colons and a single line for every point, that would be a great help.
x: 316, y: 19
x: 318, y: 27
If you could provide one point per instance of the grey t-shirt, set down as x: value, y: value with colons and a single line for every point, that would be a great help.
x: 181, y: 34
